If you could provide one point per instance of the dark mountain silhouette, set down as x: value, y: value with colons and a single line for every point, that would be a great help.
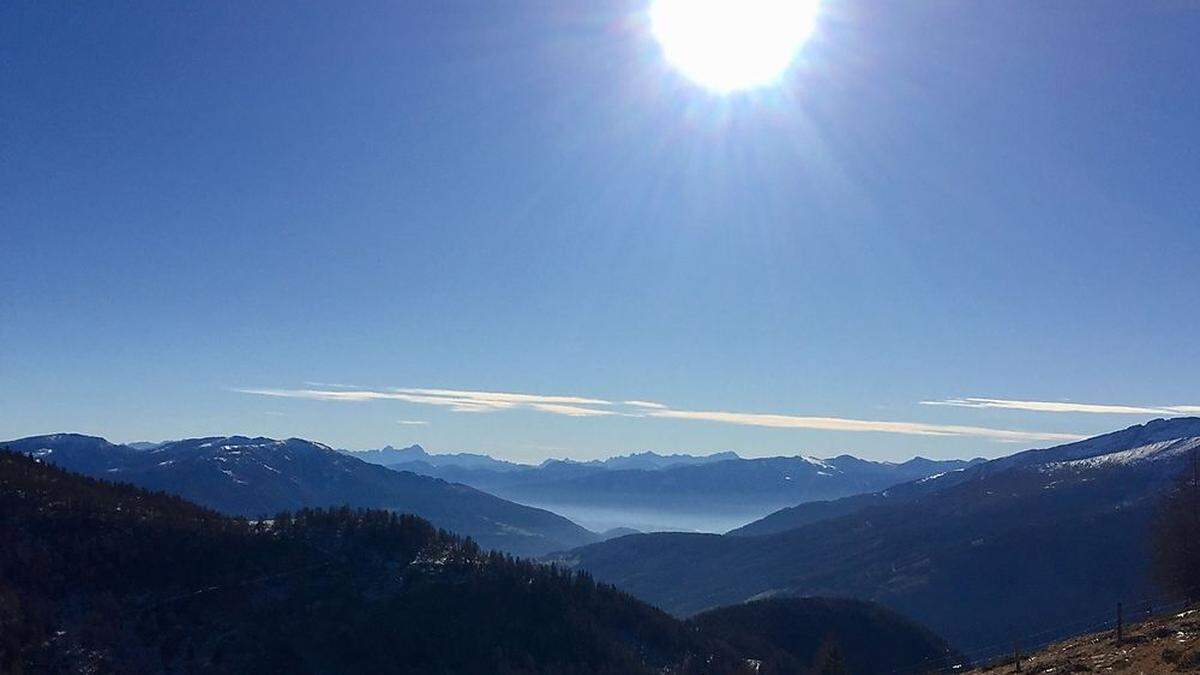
x: 618, y: 532
x: 256, y: 477
x: 103, y: 577
x: 870, y: 638
x: 1020, y: 544
x: 711, y: 492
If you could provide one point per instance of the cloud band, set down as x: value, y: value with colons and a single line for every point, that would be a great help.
x: 1064, y: 406
x: 460, y: 400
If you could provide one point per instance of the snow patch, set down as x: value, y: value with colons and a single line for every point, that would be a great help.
x: 232, y: 477
x: 817, y: 462
x: 1146, y: 453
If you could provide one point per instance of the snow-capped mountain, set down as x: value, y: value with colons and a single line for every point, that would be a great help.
x: 258, y: 477
x: 1155, y: 448
x: 1036, y: 539
x: 1162, y: 452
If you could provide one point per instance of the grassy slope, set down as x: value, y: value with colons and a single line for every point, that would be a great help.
x: 1166, y: 644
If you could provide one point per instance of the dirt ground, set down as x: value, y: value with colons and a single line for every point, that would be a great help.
x: 1167, y: 644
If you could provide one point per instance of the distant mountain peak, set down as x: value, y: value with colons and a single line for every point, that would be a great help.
x: 255, y: 476
x: 69, y: 436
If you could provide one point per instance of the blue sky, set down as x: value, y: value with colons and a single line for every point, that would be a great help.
x: 215, y: 218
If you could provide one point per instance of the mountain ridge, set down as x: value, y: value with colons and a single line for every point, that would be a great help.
x: 1002, y: 535
x: 170, y: 586
x: 708, y: 496
x: 258, y: 476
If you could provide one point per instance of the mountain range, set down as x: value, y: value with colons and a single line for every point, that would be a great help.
x: 104, y: 577
x: 1020, y: 545
x: 258, y: 477
x: 416, y: 454
x: 648, y: 491
x: 647, y: 459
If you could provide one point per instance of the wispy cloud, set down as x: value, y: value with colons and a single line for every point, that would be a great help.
x: 457, y: 400
x: 412, y: 423
x: 467, y: 401
x: 645, y: 404
x: 778, y: 421
x: 1065, y: 406
x: 571, y: 410
x: 504, y: 397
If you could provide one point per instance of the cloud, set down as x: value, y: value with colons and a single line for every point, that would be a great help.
x: 778, y: 421
x: 645, y: 404
x: 571, y: 410
x: 1064, y: 406
x: 315, y: 394
x: 412, y: 422
x: 505, y: 397
x: 467, y: 401
x: 457, y: 400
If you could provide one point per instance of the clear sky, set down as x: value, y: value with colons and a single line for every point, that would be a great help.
x: 344, y: 221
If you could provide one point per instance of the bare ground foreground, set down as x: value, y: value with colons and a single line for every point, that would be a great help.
x: 1166, y: 644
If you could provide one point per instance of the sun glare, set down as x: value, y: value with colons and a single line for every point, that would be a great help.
x: 732, y: 45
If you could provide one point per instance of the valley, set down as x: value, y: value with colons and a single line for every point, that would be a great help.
x: 1038, y: 538
x: 651, y: 492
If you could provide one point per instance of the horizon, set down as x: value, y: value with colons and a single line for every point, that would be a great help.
x: 563, y: 230
x: 740, y: 454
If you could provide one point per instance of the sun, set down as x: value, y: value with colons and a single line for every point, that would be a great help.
x: 732, y: 45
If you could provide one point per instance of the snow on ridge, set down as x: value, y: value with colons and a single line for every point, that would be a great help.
x: 1144, y: 453
x: 817, y: 462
